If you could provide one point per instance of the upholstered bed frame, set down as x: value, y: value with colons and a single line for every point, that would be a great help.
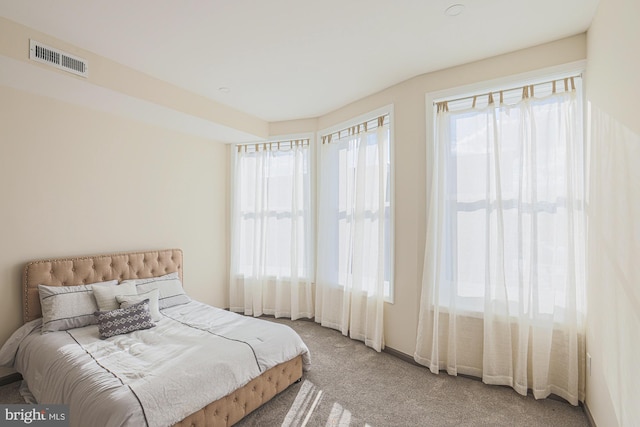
x: 139, y: 265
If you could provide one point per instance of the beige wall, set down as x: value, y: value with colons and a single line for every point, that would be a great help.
x: 78, y: 181
x: 613, y: 327
x: 408, y: 99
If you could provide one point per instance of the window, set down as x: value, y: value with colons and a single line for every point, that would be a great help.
x: 513, y: 185
x: 355, y: 206
x: 273, y: 210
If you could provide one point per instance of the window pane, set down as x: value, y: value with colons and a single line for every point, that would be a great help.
x: 274, y: 206
x: 506, y: 218
x: 356, y: 175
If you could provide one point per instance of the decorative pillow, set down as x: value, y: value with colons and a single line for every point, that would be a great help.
x: 106, y: 295
x: 128, y: 300
x: 169, y: 285
x: 67, y: 307
x: 124, y: 320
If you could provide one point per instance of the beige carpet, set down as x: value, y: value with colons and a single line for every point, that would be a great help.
x: 352, y: 385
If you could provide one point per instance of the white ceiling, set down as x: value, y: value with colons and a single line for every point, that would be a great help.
x: 290, y: 59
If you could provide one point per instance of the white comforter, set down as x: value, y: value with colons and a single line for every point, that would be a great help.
x: 195, y: 355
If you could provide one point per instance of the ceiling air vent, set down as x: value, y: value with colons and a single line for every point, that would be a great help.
x: 48, y: 55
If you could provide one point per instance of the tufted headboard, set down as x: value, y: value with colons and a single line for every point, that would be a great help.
x: 92, y: 269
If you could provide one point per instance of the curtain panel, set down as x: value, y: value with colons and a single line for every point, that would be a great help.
x: 272, y: 237
x: 353, y: 235
x: 505, y: 246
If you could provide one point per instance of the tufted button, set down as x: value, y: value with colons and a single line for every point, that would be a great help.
x: 64, y: 283
x: 128, y: 262
x: 51, y: 272
x: 73, y: 269
x: 84, y: 281
x: 111, y: 265
x: 93, y: 266
x: 103, y: 278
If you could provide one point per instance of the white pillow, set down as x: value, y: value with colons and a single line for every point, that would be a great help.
x: 67, y: 307
x: 129, y: 300
x: 169, y: 285
x: 106, y: 295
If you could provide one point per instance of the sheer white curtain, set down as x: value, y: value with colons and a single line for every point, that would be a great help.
x: 272, y: 238
x: 503, y: 285
x: 353, y: 235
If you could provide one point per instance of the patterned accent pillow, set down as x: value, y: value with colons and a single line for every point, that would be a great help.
x: 124, y: 320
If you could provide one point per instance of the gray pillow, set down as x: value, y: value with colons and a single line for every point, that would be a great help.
x: 128, y: 300
x: 67, y: 307
x: 124, y: 320
x: 169, y: 285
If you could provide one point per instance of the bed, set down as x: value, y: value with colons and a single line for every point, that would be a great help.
x: 160, y: 372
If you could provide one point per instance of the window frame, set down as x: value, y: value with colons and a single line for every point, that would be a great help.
x: 371, y: 115
x: 312, y: 197
x: 495, y: 85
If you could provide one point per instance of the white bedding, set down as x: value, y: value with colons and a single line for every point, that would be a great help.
x: 195, y: 355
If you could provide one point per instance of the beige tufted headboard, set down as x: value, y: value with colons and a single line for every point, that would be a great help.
x: 92, y: 269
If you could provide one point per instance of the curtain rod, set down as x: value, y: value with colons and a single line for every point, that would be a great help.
x: 273, y: 145
x: 527, y: 91
x: 355, y: 129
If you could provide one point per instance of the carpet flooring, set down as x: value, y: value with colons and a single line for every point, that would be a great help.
x: 351, y: 385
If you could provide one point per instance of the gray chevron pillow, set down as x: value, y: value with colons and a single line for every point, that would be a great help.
x: 124, y: 320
